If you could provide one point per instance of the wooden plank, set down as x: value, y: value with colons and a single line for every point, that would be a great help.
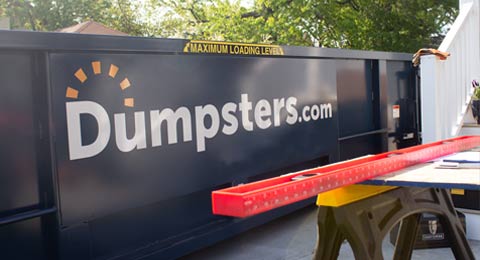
x: 431, y: 175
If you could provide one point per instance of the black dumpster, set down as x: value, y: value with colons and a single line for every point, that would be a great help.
x: 110, y: 146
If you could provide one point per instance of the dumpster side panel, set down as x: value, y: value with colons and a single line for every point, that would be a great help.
x: 128, y: 136
x: 357, y: 110
x: 18, y: 160
x: 238, y: 117
x: 19, y: 190
x: 354, y: 81
x: 378, y: 106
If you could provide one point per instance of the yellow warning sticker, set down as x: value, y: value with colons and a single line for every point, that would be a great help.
x: 232, y: 48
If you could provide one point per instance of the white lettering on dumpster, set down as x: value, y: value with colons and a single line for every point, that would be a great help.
x: 205, y: 124
x: 76, y: 148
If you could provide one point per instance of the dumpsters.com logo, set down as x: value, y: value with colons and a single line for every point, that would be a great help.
x: 203, y: 122
x: 75, y: 109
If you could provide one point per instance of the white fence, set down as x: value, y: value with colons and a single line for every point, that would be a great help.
x: 446, y: 85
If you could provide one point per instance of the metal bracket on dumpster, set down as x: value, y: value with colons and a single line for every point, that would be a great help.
x: 257, y: 197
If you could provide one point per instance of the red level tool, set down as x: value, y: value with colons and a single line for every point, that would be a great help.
x: 257, y: 197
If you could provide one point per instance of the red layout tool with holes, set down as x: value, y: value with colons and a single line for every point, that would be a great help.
x: 257, y: 197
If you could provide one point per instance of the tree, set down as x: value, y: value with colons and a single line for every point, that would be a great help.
x: 42, y: 15
x: 388, y: 25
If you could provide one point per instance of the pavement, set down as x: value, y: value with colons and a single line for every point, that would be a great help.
x: 293, y: 237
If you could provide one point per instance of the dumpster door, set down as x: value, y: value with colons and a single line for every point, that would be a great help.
x: 26, y: 203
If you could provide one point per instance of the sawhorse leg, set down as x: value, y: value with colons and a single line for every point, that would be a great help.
x: 366, y: 222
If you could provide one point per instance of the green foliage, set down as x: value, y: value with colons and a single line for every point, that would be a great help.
x: 42, y: 15
x: 389, y: 25
x: 123, y: 15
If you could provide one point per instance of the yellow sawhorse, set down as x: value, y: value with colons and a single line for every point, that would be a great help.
x: 364, y: 214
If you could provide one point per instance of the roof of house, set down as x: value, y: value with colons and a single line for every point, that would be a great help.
x: 91, y: 27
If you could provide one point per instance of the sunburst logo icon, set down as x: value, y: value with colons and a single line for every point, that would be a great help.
x: 96, y: 68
